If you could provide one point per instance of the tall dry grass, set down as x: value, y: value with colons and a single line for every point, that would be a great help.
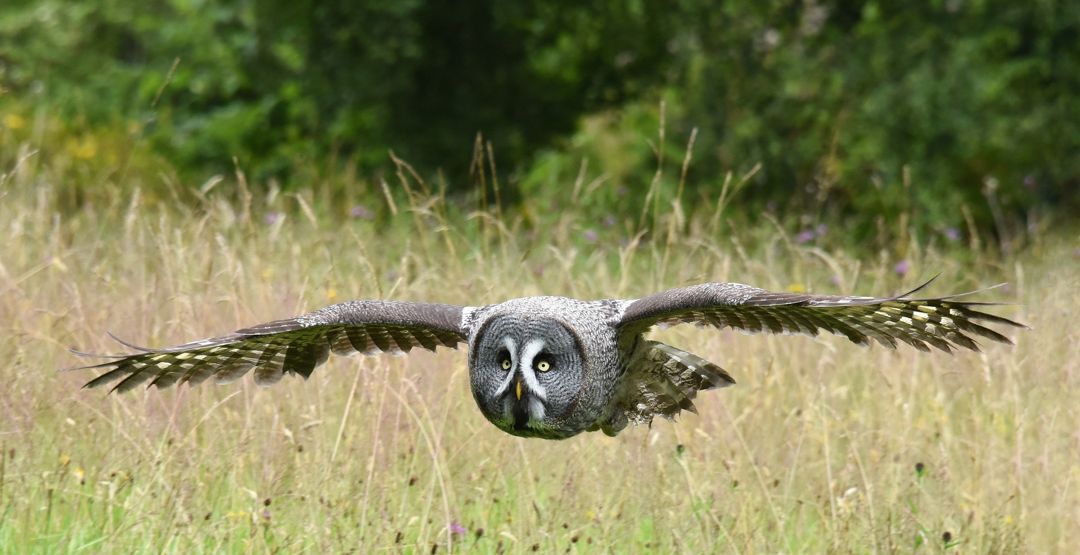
x: 822, y: 446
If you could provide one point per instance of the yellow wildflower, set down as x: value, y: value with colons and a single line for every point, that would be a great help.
x: 84, y: 149
x: 14, y: 121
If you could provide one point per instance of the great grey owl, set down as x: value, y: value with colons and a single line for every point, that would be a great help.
x: 553, y: 367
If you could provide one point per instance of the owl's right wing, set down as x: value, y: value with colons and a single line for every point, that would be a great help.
x: 942, y: 322
x: 294, y: 345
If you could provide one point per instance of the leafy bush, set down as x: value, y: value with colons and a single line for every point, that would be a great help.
x: 867, y: 109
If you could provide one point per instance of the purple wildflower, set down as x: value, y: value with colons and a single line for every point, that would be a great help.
x: 902, y: 268
x: 805, y: 236
x: 361, y: 212
x: 590, y: 235
x: 272, y: 218
x: 456, y: 529
x: 952, y: 234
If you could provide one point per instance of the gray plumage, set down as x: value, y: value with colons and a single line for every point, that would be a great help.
x: 553, y: 367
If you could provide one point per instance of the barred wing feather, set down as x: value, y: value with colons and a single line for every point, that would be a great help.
x: 295, y: 345
x: 942, y: 322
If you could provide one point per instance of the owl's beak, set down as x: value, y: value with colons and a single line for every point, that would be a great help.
x: 520, y: 409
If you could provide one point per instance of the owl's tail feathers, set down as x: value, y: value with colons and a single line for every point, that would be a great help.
x: 687, y: 371
x: 668, y: 380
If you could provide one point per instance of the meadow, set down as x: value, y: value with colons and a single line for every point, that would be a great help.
x: 822, y: 446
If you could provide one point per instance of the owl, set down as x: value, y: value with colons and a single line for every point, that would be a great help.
x: 553, y: 367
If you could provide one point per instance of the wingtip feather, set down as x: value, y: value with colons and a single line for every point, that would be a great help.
x: 130, y: 345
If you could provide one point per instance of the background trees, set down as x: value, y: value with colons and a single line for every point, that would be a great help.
x: 854, y: 110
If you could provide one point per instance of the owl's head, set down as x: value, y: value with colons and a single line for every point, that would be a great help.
x: 529, y: 376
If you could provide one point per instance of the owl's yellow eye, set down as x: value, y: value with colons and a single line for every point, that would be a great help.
x: 543, y: 366
x: 506, y: 364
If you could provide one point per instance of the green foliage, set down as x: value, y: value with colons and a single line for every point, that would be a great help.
x: 272, y: 82
x: 838, y: 100
x: 944, y: 116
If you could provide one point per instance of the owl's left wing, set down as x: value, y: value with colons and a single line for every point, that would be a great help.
x: 294, y: 345
x: 942, y: 322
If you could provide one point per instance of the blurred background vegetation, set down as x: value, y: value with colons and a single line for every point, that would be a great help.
x: 861, y: 121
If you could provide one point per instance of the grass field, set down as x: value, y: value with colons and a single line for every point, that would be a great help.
x: 822, y: 445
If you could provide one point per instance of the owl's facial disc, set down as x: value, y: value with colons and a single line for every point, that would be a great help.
x: 526, y: 372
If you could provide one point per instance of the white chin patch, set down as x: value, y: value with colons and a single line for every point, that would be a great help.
x: 536, y: 409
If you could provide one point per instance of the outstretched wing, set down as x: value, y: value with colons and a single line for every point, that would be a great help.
x: 941, y: 322
x: 294, y: 345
